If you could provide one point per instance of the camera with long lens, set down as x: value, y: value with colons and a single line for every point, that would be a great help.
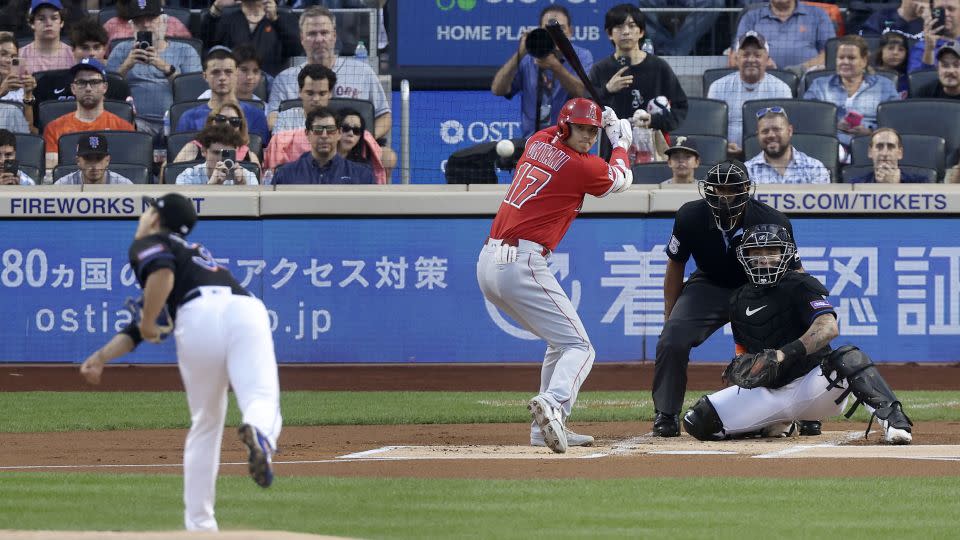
x: 539, y: 43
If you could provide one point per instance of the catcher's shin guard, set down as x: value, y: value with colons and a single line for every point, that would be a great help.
x: 866, y: 384
x: 703, y: 422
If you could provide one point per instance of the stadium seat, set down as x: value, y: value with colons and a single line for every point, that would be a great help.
x: 926, y: 151
x: 51, y: 110
x: 789, y: 77
x: 821, y: 147
x: 705, y: 117
x: 713, y: 149
x: 811, y: 76
x: 925, y: 117
x: 850, y: 172
x: 873, y: 42
x: 138, y: 174
x: 658, y: 171
x: 188, y: 87
x: 806, y: 116
x: 30, y: 151
x: 176, y: 142
x: 919, y: 79
x: 173, y: 170
x: 125, y: 146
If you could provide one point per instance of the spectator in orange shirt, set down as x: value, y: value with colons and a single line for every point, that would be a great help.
x: 119, y: 27
x: 89, y: 86
x: 46, y: 52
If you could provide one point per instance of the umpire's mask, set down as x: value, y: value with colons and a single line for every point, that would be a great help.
x: 765, y: 253
x: 726, y: 188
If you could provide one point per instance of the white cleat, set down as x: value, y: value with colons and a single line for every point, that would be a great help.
x: 892, y: 435
x: 554, y: 435
x: 573, y: 439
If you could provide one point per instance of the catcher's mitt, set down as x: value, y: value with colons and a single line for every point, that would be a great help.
x: 164, y: 320
x: 753, y: 370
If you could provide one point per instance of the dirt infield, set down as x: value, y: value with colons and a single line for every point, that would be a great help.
x: 623, y: 450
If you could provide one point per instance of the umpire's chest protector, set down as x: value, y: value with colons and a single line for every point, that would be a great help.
x: 770, y: 317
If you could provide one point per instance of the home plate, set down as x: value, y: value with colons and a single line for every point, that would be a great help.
x: 471, y: 452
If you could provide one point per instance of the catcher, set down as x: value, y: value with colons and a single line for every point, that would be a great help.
x: 783, y: 325
x: 223, y: 339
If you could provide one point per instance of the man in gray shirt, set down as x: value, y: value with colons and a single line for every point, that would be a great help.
x: 748, y: 83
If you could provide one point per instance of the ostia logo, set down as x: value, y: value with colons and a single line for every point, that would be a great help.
x: 451, y: 131
x: 465, y: 5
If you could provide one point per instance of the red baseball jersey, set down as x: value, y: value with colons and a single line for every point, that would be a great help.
x: 548, y: 188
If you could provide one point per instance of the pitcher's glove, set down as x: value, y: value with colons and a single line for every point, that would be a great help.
x: 164, y: 320
x: 753, y: 370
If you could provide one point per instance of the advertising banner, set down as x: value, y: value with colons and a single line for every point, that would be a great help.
x: 405, y: 290
x: 459, y: 33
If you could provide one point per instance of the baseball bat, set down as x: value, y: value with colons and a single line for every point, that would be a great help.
x: 566, y: 49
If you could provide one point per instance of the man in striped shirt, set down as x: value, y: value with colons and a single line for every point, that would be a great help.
x: 779, y: 162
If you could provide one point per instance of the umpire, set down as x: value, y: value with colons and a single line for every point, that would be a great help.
x: 710, y: 230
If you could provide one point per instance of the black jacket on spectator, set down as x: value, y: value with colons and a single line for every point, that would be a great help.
x: 275, y: 40
x: 55, y: 85
x: 934, y: 90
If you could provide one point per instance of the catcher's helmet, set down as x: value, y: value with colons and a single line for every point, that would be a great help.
x: 763, y: 268
x: 578, y: 111
x: 726, y: 188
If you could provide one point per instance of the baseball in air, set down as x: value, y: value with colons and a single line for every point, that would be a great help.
x: 505, y: 148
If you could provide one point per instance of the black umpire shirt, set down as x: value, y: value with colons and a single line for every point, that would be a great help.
x: 696, y: 233
x: 770, y: 317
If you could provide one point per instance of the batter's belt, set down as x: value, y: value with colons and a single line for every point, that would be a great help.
x: 521, y: 245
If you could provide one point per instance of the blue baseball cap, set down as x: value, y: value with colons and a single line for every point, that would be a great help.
x: 37, y: 4
x: 91, y: 64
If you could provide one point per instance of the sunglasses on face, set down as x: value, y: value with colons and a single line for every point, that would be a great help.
x: 356, y: 130
x: 768, y: 110
x: 323, y: 130
x: 221, y: 119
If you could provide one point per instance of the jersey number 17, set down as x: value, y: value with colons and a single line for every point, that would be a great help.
x: 528, y: 181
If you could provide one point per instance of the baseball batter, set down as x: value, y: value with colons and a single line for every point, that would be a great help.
x: 783, y: 323
x: 552, y: 177
x: 223, y: 339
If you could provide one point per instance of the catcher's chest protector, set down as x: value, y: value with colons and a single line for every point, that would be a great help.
x: 763, y: 318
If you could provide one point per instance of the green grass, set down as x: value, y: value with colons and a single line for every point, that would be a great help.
x: 733, y: 508
x: 66, y: 411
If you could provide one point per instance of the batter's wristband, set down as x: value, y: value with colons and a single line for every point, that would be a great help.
x: 794, y: 351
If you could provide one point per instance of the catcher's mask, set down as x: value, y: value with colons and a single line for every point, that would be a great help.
x: 578, y: 111
x: 726, y: 188
x: 765, y: 253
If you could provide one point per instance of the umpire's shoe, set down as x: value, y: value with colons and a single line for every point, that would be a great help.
x: 666, y: 425
x: 810, y: 427
x: 258, y: 457
x: 548, y: 419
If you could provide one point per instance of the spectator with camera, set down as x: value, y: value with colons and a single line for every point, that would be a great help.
x: 322, y: 164
x: 290, y: 139
x: 947, y: 85
x: 886, y: 151
x: 748, y: 83
x: 778, y: 161
x: 797, y: 33
x: 853, y: 89
x: 89, y: 87
x: 273, y: 33
x: 218, y: 146
x: 540, y: 74
x: 249, y: 73
x: 89, y: 41
x: 631, y: 79
x: 93, y: 164
x: 149, y: 62
x: 228, y: 114
x: 46, y: 52
x: 220, y: 72
x: 940, y: 27
x: 15, y: 86
x: 10, y: 173
x: 355, y: 78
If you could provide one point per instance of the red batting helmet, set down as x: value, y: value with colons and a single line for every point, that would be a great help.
x: 578, y: 111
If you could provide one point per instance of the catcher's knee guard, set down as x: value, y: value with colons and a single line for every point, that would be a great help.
x: 866, y: 384
x: 702, y: 421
